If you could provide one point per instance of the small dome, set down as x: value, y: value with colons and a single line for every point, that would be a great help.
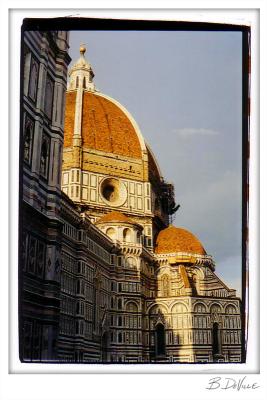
x: 115, y: 216
x: 178, y: 240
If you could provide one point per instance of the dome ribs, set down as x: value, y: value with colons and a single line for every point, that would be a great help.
x: 178, y: 240
x: 105, y: 126
x: 69, y: 118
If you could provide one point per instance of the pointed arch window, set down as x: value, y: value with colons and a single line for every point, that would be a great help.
x: 28, y: 139
x: 44, y: 157
x: 84, y: 82
x: 27, y: 67
x: 33, y: 79
x: 49, y: 92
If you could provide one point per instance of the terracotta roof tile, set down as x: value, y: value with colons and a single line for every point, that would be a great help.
x: 105, y: 126
x: 115, y: 216
x: 176, y: 240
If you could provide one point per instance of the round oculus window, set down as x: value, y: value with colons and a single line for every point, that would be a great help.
x: 113, y: 192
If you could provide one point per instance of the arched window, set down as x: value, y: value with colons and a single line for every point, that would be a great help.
x: 77, y: 82
x: 120, y: 337
x: 132, y: 307
x: 179, y: 308
x: 84, y: 82
x: 230, y: 309
x: 215, y: 339
x: 131, y: 262
x: 48, y: 97
x: 119, y: 304
x: 199, y: 308
x: 44, y: 157
x: 27, y: 65
x: 160, y: 340
x: 127, y: 235
x: 215, y: 309
x: 33, y: 80
x: 28, y: 141
x: 110, y: 232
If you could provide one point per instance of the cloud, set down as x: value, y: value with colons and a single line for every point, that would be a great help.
x: 195, y: 131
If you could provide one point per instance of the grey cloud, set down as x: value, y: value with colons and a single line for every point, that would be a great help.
x: 195, y: 131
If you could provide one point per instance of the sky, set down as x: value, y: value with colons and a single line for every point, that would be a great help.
x: 184, y: 89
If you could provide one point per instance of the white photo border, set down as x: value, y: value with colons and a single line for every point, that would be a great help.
x: 39, y: 381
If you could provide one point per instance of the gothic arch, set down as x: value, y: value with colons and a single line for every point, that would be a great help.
x: 162, y: 307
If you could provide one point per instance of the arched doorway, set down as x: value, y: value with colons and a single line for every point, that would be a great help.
x: 160, y: 340
x: 215, y: 339
x: 104, y: 347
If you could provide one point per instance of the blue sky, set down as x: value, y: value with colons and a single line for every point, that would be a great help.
x: 184, y: 90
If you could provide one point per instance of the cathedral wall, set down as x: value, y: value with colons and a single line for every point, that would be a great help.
x: 45, y: 62
x: 189, y: 329
x: 87, y: 295
x: 85, y: 187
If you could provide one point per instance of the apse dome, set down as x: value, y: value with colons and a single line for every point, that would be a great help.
x: 114, y: 217
x: 178, y: 240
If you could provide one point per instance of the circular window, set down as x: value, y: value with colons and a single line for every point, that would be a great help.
x: 113, y: 191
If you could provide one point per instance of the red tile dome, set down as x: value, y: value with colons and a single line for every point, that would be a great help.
x: 105, y: 126
x: 115, y: 216
x: 178, y: 240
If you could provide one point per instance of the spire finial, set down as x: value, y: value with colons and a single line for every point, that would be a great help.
x: 82, y: 49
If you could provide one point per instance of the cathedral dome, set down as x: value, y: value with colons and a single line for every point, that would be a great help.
x: 106, y: 126
x: 115, y: 216
x: 178, y: 240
